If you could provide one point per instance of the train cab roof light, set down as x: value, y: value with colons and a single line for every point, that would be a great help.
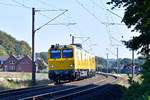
x: 78, y: 45
x: 57, y: 46
x: 65, y: 46
x: 52, y: 46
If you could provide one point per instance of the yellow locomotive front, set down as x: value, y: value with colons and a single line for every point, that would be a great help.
x: 69, y: 62
x: 61, y: 62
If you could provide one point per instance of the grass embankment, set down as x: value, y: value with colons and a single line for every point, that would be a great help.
x: 125, y: 79
x: 14, y: 80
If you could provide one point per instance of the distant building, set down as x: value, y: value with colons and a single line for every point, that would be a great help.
x: 17, y: 64
x: 10, y: 63
x: 24, y: 65
x: 2, y: 60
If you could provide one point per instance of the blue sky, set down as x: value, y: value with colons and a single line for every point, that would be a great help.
x: 87, y: 14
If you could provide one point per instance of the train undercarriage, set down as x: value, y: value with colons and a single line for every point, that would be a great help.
x: 70, y: 75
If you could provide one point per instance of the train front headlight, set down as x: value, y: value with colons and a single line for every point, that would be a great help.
x: 52, y: 66
x: 71, y: 65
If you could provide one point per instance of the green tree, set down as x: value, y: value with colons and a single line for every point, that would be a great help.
x: 100, y: 63
x: 2, y: 51
x: 41, y: 64
x: 12, y: 46
x: 137, y: 15
x: 44, y: 56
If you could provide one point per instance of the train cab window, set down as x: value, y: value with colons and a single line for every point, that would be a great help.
x: 67, y: 53
x: 55, y: 53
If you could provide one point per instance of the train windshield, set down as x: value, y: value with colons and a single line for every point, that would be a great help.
x: 67, y: 53
x: 55, y: 53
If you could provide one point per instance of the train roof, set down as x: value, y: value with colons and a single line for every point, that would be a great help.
x: 78, y: 46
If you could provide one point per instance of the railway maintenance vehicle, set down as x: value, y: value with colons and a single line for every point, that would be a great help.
x: 70, y: 62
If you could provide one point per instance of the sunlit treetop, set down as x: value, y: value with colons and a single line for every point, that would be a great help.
x: 136, y: 15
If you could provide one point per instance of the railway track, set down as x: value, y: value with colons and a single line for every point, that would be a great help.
x: 63, y: 91
x: 26, y: 92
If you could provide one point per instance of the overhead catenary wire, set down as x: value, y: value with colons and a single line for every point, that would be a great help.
x: 70, y: 19
x: 114, y: 13
x: 41, y: 10
x: 107, y: 26
x: 108, y: 23
x: 96, y: 4
x: 51, y: 20
x: 46, y: 4
x: 45, y: 10
x: 9, y: 4
x: 105, y: 9
x: 58, y: 23
x: 89, y: 11
x: 21, y: 4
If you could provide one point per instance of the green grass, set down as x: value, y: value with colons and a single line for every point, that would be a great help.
x: 14, y: 80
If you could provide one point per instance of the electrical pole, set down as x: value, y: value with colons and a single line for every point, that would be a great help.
x: 107, y: 61
x: 132, y: 64
x: 33, y: 36
x: 117, y: 62
x: 72, y: 39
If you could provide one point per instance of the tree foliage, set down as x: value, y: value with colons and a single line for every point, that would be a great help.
x: 2, y: 51
x: 44, y: 56
x: 101, y: 61
x: 139, y: 91
x: 12, y: 46
x: 137, y: 15
x: 41, y: 65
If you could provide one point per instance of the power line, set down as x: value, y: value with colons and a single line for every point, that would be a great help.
x: 114, y: 13
x: 106, y: 23
x: 89, y: 11
x: 9, y: 4
x: 58, y: 23
x: 51, y: 20
x: 108, y: 11
x: 105, y: 9
x: 97, y: 17
x: 97, y: 5
x: 94, y: 16
x: 66, y: 24
x: 70, y: 19
x: 45, y: 10
x: 21, y: 4
x: 46, y: 4
x: 112, y: 23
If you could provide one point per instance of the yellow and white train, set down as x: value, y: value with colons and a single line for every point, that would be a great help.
x: 70, y: 62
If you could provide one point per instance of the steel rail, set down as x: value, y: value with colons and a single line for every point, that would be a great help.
x: 7, y: 95
x: 21, y: 93
x: 52, y: 94
x: 40, y: 91
x: 20, y: 89
x: 82, y: 92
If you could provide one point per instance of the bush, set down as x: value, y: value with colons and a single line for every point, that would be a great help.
x: 137, y: 91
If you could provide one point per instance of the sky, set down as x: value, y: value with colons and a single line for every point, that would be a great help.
x: 87, y: 18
